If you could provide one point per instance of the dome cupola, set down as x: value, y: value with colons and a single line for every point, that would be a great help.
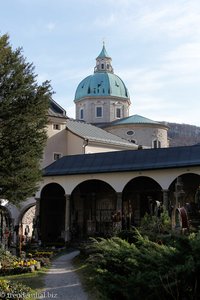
x: 103, y: 62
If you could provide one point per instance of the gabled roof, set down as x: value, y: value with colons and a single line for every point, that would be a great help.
x: 96, y: 134
x: 55, y: 110
x: 122, y: 161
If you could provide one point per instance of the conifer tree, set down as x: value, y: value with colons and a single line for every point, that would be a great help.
x: 23, y: 119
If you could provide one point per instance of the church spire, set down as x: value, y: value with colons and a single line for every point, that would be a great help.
x: 103, y: 62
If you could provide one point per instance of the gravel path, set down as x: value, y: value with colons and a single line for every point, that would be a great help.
x: 62, y: 282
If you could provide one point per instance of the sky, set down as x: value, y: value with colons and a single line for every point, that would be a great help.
x: 154, y: 45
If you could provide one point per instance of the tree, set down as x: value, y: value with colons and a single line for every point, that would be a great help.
x: 23, y: 119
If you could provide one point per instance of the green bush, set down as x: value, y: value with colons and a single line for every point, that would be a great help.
x: 145, y: 269
x: 153, y: 226
x: 6, y: 258
x: 16, y: 270
x: 13, y: 290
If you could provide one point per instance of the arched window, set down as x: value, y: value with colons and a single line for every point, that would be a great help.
x: 81, y: 114
x: 156, y: 144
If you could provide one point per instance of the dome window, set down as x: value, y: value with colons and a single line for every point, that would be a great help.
x: 81, y: 114
x: 118, y: 112
x: 102, y: 66
x: 99, y: 111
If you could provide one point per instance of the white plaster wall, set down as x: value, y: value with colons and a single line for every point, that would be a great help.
x: 97, y: 148
x: 56, y: 142
x: 143, y: 134
x: 119, y: 180
x: 74, y: 144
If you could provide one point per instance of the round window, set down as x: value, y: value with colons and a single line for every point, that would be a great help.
x: 130, y: 132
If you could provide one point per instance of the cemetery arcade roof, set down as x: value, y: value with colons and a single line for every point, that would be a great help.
x: 123, y: 161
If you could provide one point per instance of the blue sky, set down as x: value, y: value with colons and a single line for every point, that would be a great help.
x: 154, y: 45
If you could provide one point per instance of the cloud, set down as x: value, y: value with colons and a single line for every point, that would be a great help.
x: 50, y: 26
x: 185, y: 51
x: 105, y: 21
x: 178, y: 19
x: 153, y: 19
x: 182, y: 64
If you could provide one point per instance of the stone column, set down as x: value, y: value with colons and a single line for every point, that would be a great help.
x: 36, y: 225
x: 37, y: 209
x: 165, y: 199
x: 118, y: 219
x: 67, y: 218
x: 119, y: 202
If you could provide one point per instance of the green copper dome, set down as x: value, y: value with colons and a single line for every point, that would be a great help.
x: 103, y: 82
x: 135, y: 119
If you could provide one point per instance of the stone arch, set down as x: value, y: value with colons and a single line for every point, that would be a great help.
x: 52, y: 214
x: 26, y: 221
x: 184, y: 191
x: 190, y: 183
x: 140, y: 195
x: 92, y: 205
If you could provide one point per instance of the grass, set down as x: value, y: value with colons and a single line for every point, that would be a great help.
x: 33, y: 280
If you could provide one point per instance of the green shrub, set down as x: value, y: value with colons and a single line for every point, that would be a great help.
x: 6, y: 258
x: 146, y: 269
x: 152, y: 225
x: 13, y: 290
